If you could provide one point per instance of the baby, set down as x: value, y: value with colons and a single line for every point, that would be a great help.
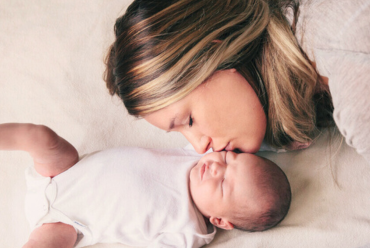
x: 142, y: 197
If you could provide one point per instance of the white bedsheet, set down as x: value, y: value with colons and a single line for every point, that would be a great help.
x: 51, y: 73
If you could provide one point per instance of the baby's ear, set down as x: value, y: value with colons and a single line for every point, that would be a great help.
x: 221, y: 223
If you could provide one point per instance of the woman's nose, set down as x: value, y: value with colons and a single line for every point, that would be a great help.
x: 201, y: 143
x: 204, y: 144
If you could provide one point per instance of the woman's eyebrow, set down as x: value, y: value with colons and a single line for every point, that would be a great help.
x: 172, y: 124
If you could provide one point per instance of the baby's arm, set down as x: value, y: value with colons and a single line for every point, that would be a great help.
x: 51, y: 153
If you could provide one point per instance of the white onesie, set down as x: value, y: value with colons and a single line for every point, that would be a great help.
x: 133, y: 196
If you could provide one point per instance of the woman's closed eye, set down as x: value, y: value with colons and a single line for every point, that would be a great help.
x: 190, y: 121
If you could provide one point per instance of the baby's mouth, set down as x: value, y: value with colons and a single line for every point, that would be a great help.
x: 202, y: 170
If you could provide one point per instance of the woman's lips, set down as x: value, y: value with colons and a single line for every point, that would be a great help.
x: 222, y: 149
x: 229, y: 147
x: 208, y: 147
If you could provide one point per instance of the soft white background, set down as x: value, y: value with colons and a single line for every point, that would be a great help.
x: 51, y: 68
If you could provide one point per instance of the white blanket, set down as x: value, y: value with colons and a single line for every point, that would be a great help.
x: 51, y: 67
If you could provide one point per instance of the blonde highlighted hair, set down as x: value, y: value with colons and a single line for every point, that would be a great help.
x: 165, y: 49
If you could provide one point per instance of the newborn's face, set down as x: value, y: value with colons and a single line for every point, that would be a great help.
x: 221, y: 181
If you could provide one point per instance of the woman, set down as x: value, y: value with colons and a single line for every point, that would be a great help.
x: 230, y: 74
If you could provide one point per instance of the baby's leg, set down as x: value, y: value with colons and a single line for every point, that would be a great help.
x: 51, y: 153
x: 52, y: 235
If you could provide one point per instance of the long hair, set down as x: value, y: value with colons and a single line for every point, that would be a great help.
x: 165, y: 49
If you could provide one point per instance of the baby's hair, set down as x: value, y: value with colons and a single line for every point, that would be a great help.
x: 274, y: 189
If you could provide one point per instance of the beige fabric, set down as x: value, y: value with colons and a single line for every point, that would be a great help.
x: 336, y: 35
x: 51, y: 73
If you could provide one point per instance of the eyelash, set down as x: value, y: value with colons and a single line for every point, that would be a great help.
x: 190, y: 121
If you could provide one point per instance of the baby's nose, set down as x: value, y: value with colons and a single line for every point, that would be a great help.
x: 215, y: 169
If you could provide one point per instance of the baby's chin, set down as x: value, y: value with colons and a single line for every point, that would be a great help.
x: 196, y: 203
x: 192, y: 178
x: 193, y: 172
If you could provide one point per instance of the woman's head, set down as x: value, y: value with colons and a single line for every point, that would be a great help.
x: 223, y: 113
x: 164, y: 50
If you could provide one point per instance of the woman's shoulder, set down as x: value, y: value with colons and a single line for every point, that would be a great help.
x: 334, y: 25
x: 327, y: 29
